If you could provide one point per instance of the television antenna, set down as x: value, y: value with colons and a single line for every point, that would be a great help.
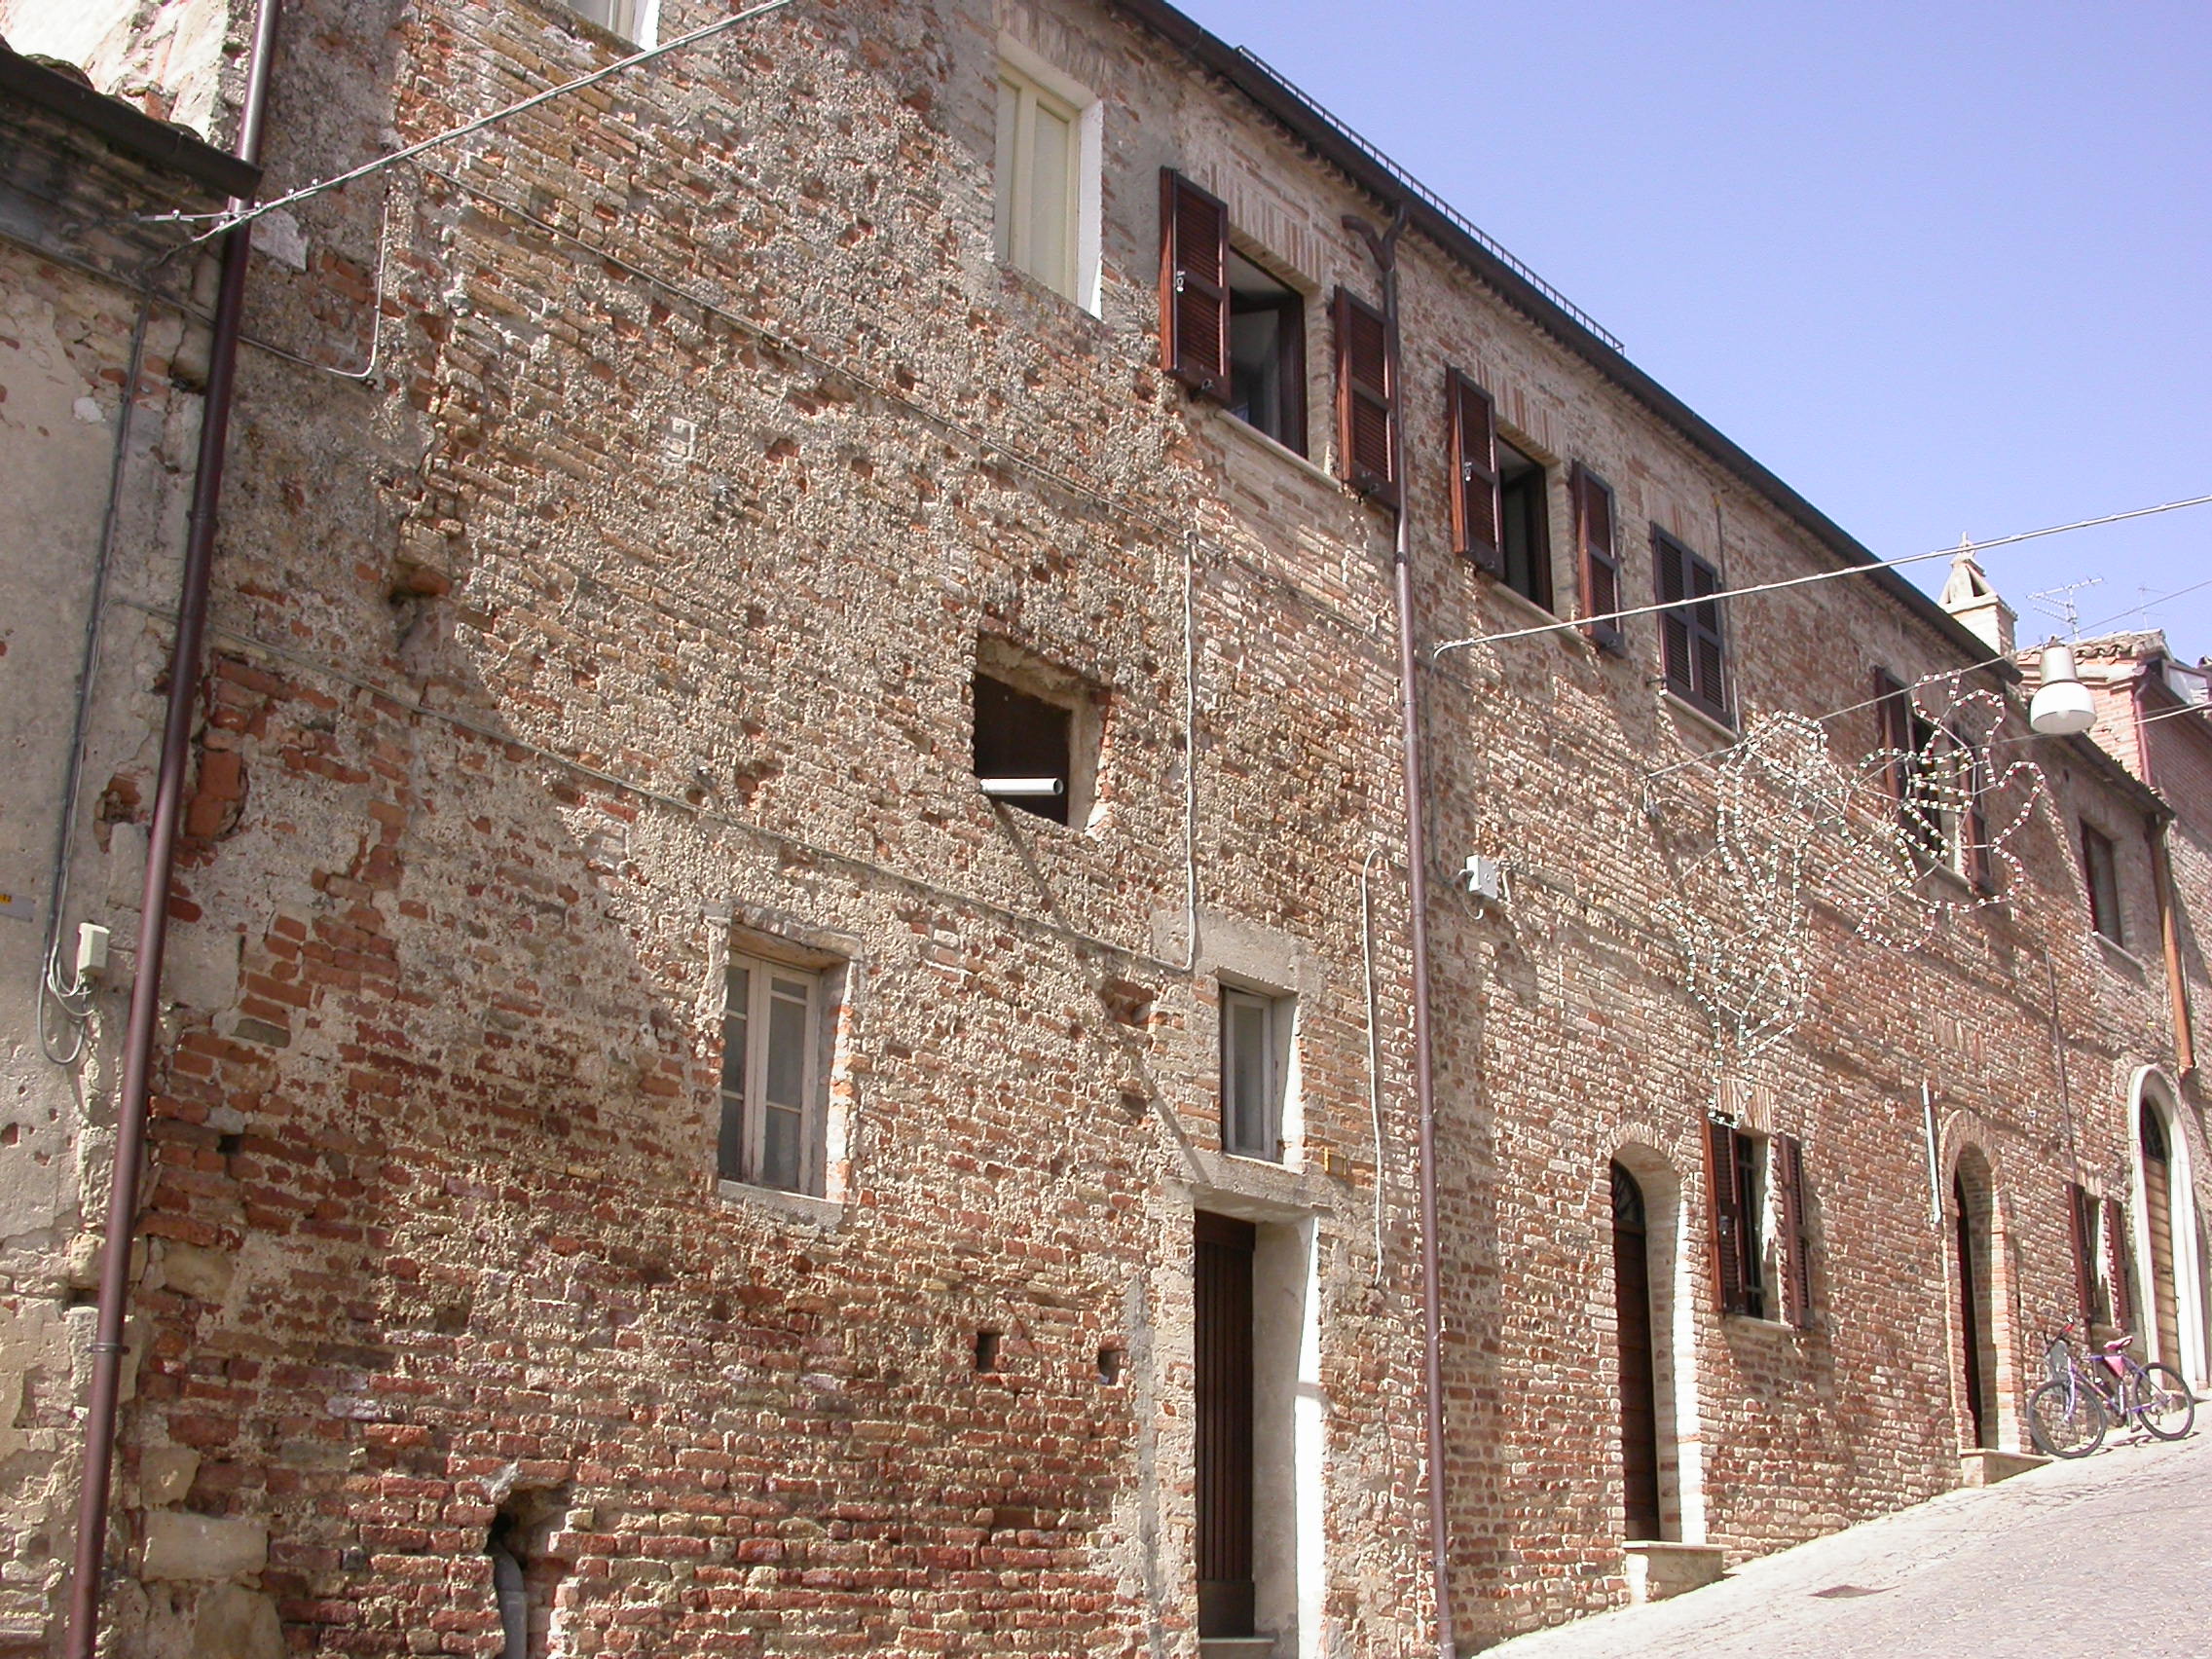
x: 2059, y: 605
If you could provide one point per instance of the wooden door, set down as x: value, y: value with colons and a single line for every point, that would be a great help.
x: 2159, y: 1219
x: 1632, y: 1321
x: 1223, y: 1343
x: 1971, y: 1320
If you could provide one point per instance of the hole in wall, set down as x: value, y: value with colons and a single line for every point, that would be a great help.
x: 986, y: 1350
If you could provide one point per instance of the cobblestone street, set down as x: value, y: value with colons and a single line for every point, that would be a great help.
x: 2110, y: 1555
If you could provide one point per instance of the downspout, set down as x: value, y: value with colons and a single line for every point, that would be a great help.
x: 2162, y: 887
x: 1384, y: 248
x: 107, y: 1348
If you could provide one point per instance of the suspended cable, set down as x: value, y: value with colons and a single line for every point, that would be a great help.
x: 1436, y: 652
x: 228, y: 220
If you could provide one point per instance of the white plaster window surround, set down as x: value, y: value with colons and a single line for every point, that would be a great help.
x: 637, y: 22
x: 1046, y: 178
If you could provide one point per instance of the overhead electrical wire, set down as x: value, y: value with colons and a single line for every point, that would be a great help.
x: 227, y: 220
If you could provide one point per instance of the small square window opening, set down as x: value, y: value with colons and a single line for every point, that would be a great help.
x: 1037, y: 734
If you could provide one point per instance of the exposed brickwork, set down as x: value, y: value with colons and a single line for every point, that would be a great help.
x: 635, y: 599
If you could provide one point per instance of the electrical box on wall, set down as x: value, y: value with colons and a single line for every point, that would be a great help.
x: 1484, y: 878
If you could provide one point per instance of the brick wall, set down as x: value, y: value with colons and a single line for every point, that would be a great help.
x: 634, y: 601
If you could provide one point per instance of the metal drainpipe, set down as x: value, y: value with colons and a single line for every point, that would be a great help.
x: 107, y: 1350
x: 1384, y: 248
x: 2162, y: 887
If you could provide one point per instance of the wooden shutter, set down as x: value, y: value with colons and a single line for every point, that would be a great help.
x: 1796, y: 1256
x: 1367, y: 402
x: 2116, y: 1263
x: 1974, y: 861
x: 1727, y: 1217
x: 1708, y: 662
x: 2081, y: 1225
x: 1193, y: 286
x: 1893, y: 721
x: 1477, y: 515
x: 1672, y: 560
x: 1598, y: 564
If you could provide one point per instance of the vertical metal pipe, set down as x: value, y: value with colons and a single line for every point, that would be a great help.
x: 107, y: 1348
x: 1384, y: 248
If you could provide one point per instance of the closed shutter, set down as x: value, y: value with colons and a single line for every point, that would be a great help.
x: 1893, y: 715
x: 1193, y: 286
x: 1796, y: 1254
x: 1599, y: 565
x: 2081, y: 1226
x: 1476, y: 512
x: 2115, y: 1264
x: 1367, y: 402
x: 1721, y: 1190
x: 1708, y: 658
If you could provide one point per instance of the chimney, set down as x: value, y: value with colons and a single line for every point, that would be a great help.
x: 1970, y: 597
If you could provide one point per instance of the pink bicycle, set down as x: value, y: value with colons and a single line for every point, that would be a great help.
x: 2069, y: 1415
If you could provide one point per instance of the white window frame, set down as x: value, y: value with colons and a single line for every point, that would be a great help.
x: 750, y: 1099
x: 1280, y: 1016
x: 1034, y: 80
x: 635, y: 21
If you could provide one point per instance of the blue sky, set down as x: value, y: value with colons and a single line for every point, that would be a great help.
x: 1941, y: 265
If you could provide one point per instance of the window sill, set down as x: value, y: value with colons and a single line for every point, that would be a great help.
x: 1760, y: 1323
x: 1020, y: 280
x: 823, y: 1213
x: 2118, y: 955
x: 1248, y: 433
x: 1680, y: 705
x: 1521, y: 609
x: 598, y: 34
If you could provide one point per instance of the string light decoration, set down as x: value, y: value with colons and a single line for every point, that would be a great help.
x: 1913, y: 834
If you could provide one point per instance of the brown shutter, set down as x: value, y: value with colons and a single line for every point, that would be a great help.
x: 1796, y: 1256
x: 1193, y: 286
x: 1476, y: 512
x: 1367, y: 403
x: 2116, y: 1263
x: 1727, y: 1218
x: 1892, y: 714
x: 1672, y: 558
x: 1598, y: 564
x: 1707, y: 659
x: 1980, y: 868
x: 2080, y: 1221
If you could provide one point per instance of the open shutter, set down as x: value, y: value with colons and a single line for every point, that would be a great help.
x: 1673, y: 560
x: 1367, y: 403
x: 1892, y: 714
x: 1476, y: 512
x: 1976, y: 863
x: 2116, y: 1263
x: 2080, y: 1226
x: 1796, y: 1257
x: 1727, y: 1218
x: 1598, y: 564
x: 1193, y: 286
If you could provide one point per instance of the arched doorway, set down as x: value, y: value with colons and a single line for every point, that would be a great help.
x: 1638, y: 1379
x: 1971, y: 1264
x: 2158, y: 1223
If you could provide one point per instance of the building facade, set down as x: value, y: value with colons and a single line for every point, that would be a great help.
x: 788, y: 1017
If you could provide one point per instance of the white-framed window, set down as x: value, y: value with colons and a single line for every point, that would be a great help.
x: 1046, y: 182
x: 773, y: 1024
x: 636, y: 20
x: 1255, y: 1071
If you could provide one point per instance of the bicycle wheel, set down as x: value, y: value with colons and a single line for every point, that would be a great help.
x: 2065, y: 1421
x: 2167, y: 1408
